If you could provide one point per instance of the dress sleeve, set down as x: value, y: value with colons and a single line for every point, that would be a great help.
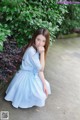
x: 34, y: 58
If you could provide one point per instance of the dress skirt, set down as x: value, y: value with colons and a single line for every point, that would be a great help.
x: 26, y: 90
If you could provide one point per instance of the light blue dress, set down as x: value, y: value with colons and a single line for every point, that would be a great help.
x: 26, y: 88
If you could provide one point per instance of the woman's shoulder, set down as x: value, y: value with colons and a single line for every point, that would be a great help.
x: 31, y: 50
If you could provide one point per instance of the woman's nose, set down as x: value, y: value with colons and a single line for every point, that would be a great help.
x: 40, y: 43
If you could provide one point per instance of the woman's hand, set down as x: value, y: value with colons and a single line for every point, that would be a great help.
x: 40, y: 49
x: 45, y: 89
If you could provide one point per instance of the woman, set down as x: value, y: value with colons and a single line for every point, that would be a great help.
x: 29, y: 87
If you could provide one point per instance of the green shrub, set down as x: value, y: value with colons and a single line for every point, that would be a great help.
x: 72, y: 19
x: 23, y: 17
x: 3, y: 34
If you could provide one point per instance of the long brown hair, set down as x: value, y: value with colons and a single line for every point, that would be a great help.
x: 40, y: 31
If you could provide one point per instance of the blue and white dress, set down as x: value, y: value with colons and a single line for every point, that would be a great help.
x: 26, y: 88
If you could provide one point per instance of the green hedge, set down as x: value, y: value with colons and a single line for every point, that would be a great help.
x: 4, y: 31
x: 22, y: 17
x: 72, y: 19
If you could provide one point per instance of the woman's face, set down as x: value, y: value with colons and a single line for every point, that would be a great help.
x: 40, y: 41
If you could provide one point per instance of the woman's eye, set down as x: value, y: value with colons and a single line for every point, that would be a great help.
x: 38, y: 39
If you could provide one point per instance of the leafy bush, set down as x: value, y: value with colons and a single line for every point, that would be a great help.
x: 23, y: 17
x: 10, y: 60
x: 3, y: 35
x: 72, y: 19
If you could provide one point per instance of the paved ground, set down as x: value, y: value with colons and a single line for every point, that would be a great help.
x: 63, y: 72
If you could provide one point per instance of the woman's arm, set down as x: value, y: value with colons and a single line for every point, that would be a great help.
x: 42, y: 61
x: 41, y: 72
x: 41, y: 75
